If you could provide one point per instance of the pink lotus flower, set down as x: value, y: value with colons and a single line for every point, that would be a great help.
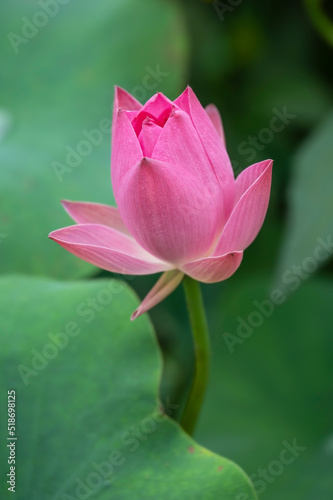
x: 180, y: 210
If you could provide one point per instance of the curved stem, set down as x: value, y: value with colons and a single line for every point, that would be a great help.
x: 202, y: 354
x: 320, y: 20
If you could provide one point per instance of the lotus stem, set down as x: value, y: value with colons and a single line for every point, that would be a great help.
x: 202, y: 354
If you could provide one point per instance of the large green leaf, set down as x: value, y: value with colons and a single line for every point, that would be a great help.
x: 58, y: 83
x: 308, y: 239
x: 89, y: 423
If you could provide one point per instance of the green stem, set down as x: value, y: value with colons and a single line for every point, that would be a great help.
x: 320, y: 20
x: 202, y: 354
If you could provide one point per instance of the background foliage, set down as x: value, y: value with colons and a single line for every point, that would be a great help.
x: 254, y: 60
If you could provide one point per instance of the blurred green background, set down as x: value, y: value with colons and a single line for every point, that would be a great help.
x: 272, y: 379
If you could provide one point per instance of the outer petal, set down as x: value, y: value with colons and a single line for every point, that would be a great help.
x: 179, y: 144
x: 107, y: 248
x: 212, y: 143
x: 216, y: 120
x: 162, y: 206
x: 253, y: 190
x: 248, y: 176
x: 126, y: 151
x: 95, y: 213
x: 124, y: 100
x: 213, y: 269
x: 164, y: 286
